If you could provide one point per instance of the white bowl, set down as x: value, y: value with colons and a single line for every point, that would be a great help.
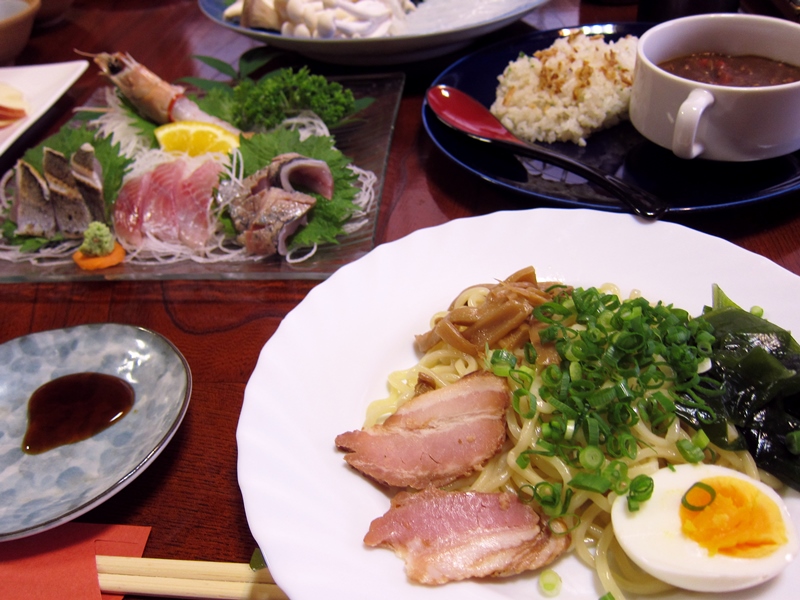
x: 16, y: 22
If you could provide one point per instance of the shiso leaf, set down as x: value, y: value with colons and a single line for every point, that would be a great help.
x: 69, y: 139
x: 326, y: 219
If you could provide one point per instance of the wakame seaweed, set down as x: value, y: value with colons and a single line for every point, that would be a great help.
x: 759, y: 364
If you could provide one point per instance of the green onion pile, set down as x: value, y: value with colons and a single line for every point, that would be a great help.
x: 621, y: 361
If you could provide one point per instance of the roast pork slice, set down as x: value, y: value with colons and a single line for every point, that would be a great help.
x: 450, y: 536
x: 434, y: 438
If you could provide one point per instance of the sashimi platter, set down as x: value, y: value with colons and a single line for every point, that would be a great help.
x: 156, y: 181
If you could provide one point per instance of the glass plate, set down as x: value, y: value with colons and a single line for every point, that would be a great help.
x: 308, y: 510
x: 365, y: 140
x: 40, y: 491
x: 685, y: 185
x: 436, y: 28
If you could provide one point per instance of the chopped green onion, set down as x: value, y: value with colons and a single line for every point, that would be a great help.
x: 591, y: 458
x: 712, y: 494
x: 502, y: 361
x: 257, y: 560
x: 590, y: 482
x: 690, y: 452
x: 549, y: 583
x: 640, y: 490
x: 700, y: 439
x: 548, y: 495
x: 607, y: 596
x: 793, y: 442
x: 617, y: 473
x: 570, y: 429
x: 757, y: 311
x: 516, y: 397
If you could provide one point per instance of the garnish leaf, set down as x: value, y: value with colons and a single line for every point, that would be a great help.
x: 217, y: 64
x: 328, y: 216
x: 69, y: 139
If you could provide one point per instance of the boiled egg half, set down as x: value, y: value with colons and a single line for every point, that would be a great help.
x: 707, y: 528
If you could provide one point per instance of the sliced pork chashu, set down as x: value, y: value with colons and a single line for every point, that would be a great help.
x: 450, y: 536
x: 434, y: 438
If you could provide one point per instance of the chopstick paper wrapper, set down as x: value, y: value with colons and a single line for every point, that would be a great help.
x: 185, y: 579
x: 59, y: 564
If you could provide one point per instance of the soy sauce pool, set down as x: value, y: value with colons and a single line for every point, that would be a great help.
x: 73, y: 408
x: 732, y: 71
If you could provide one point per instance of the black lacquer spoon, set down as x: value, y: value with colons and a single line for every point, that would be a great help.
x: 463, y: 113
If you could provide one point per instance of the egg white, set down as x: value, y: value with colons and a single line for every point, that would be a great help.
x: 652, y: 537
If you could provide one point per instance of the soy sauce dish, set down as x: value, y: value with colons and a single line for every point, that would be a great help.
x: 83, y: 411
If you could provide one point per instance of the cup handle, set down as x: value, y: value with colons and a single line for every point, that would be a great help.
x: 684, y: 137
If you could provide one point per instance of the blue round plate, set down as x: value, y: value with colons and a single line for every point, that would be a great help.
x: 40, y: 491
x: 685, y: 185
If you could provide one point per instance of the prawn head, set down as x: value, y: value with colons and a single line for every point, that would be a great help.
x: 150, y: 95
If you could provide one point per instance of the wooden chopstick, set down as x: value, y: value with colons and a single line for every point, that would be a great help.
x: 185, y: 579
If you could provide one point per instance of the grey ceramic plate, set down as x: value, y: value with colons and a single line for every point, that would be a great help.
x: 436, y: 28
x: 38, y: 492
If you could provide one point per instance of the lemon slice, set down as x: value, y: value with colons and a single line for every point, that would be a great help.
x: 195, y: 138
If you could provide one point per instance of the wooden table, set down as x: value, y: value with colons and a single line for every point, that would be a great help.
x: 190, y: 495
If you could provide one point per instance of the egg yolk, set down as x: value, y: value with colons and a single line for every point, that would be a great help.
x: 738, y: 520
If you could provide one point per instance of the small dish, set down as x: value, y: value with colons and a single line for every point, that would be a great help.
x: 41, y: 85
x: 41, y: 491
x: 16, y: 23
x: 52, y: 12
x: 428, y: 35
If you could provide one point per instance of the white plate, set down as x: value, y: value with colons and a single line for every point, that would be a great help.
x: 41, y: 85
x: 331, y: 355
x: 40, y: 491
x: 436, y: 28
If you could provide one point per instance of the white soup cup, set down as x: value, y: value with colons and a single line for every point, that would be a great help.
x: 717, y: 122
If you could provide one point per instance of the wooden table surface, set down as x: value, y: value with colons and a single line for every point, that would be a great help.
x: 189, y: 495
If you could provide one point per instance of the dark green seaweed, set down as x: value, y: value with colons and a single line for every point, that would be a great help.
x: 759, y: 364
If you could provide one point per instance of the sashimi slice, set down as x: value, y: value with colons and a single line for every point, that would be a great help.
x: 128, y: 211
x: 159, y: 206
x: 194, y: 204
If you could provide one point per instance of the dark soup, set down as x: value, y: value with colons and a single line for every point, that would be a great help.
x: 733, y: 71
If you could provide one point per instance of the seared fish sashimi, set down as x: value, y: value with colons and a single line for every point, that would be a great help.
x: 88, y: 174
x: 450, y: 536
x: 267, y: 218
x: 434, y: 438
x: 291, y: 170
x: 34, y: 213
x: 72, y: 213
x: 268, y: 208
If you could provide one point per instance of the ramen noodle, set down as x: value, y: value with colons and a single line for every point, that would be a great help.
x: 484, y: 322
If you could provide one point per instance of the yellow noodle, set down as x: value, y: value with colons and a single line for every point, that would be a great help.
x: 593, y: 539
x: 579, y: 535
x: 602, y: 566
x: 631, y: 578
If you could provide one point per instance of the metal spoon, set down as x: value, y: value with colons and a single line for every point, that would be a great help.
x: 463, y: 113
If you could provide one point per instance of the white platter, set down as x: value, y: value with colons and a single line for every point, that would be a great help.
x: 41, y: 85
x: 436, y: 28
x: 331, y: 356
x: 41, y: 491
